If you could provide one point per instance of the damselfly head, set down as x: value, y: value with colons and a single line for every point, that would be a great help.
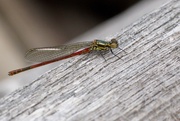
x: 114, y: 43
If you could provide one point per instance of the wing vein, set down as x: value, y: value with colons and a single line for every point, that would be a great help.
x: 49, y: 53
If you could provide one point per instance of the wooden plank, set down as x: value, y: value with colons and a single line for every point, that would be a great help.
x: 143, y: 85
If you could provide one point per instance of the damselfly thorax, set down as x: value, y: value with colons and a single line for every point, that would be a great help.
x: 99, y: 45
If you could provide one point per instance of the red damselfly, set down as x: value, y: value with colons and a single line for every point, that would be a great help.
x: 47, y: 55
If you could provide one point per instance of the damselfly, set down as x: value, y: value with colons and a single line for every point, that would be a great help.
x: 47, y: 55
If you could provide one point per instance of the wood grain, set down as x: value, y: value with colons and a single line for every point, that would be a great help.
x: 143, y: 85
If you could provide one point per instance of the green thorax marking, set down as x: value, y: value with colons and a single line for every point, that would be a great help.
x: 103, y: 45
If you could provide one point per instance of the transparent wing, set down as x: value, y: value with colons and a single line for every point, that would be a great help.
x: 49, y: 53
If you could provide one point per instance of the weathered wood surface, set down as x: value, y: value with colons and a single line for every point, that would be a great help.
x: 143, y: 85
